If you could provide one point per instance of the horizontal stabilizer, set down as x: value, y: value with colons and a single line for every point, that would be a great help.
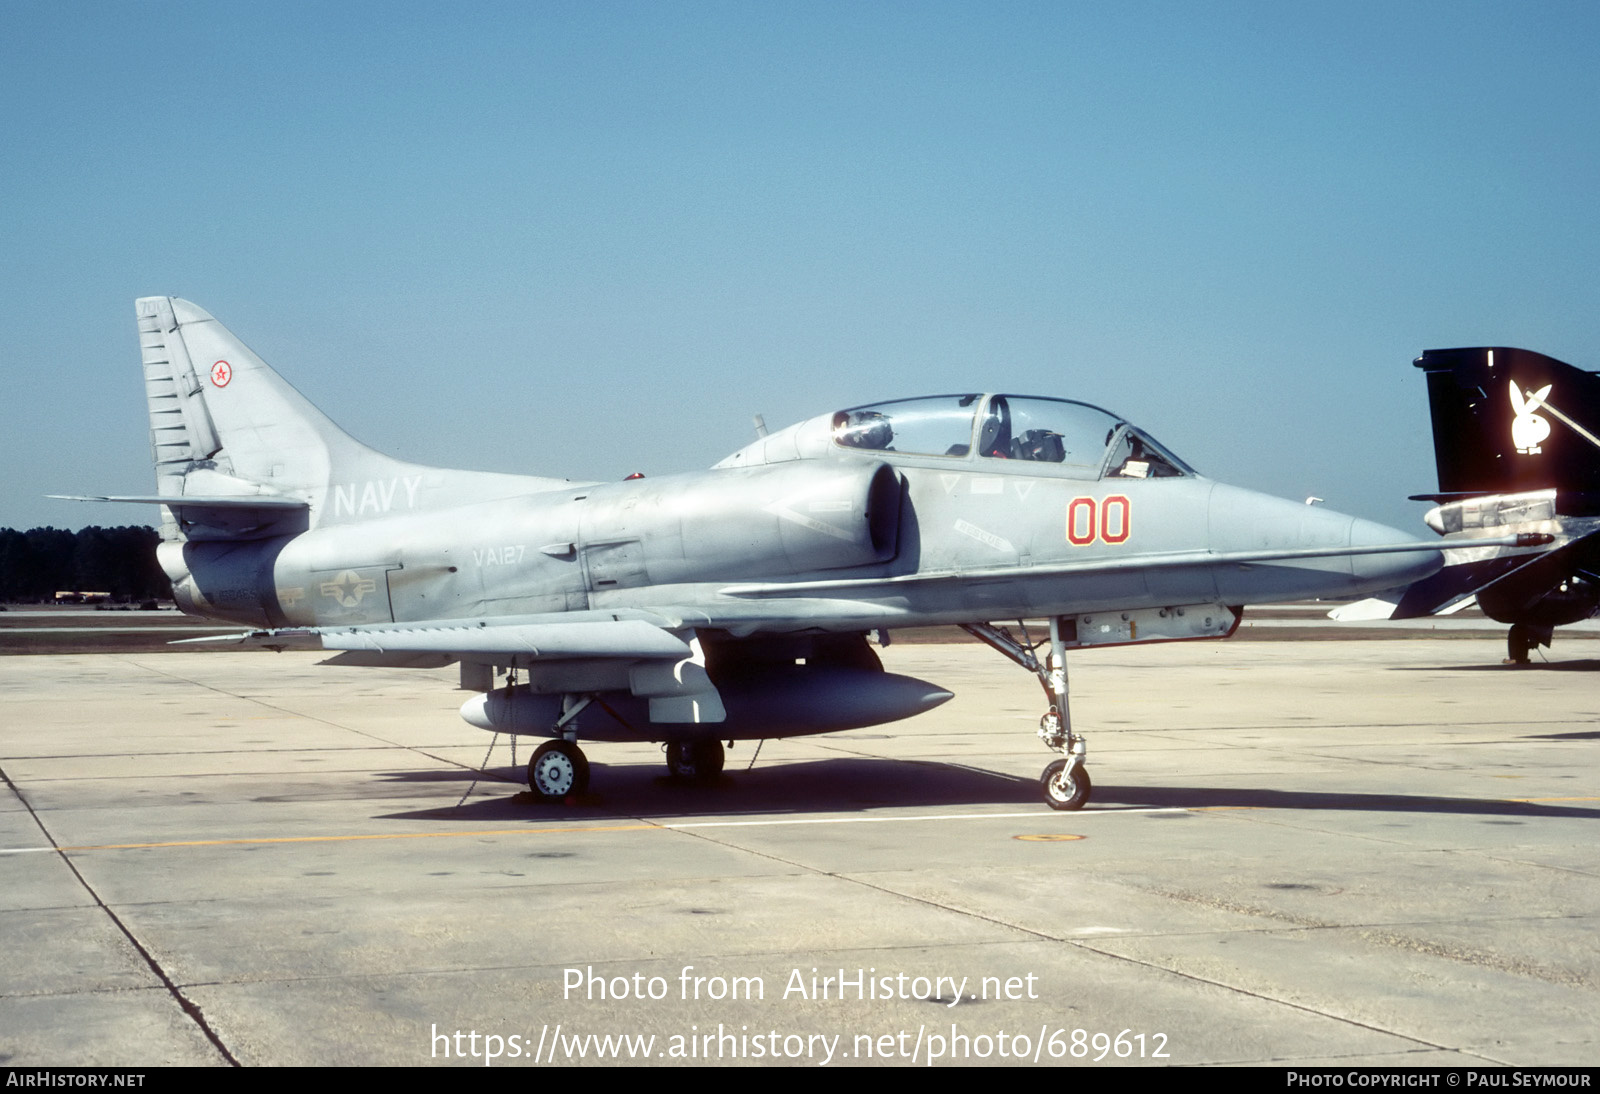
x: 289, y: 638
x: 1452, y: 585
x: 193, y: 501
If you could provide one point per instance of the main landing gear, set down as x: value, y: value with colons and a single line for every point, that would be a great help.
x: 695, y: 761
x: 559, y: 768
x: 1064, y: 783
x: 1523, y: 638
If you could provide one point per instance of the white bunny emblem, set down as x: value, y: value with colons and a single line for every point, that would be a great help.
x: 1528, y: 429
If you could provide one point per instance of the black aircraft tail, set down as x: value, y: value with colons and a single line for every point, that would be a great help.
x: 1507, y: 421
x: 1516, y: 436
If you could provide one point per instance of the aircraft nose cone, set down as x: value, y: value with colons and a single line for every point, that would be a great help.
x: 1376, y: 572
x: 1322, y: 553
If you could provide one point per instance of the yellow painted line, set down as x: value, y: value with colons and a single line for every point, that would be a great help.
x: 1034, y: 814
x: 346, y: 839
x: 686, y: 825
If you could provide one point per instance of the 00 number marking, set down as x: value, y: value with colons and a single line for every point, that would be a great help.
x: 1108, y: 520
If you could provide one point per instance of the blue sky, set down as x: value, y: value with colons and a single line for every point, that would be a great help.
x: 592, y: 238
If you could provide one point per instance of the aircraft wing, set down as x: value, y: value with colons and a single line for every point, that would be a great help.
x: 635, y: 651
x: 1536, y: 576
x: 1468, y: 571
x: 1455, y: 584
x: 511, y: 640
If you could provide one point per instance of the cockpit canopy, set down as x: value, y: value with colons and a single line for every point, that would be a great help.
x: 1081, y: 441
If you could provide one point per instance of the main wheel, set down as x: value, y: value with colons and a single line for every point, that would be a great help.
x: 1518, y: 643
x: 697, y: 761
x: 558, y: 769
x: 1062, y: 791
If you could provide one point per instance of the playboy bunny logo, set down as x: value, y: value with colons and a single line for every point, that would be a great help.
x: 1528, y: 429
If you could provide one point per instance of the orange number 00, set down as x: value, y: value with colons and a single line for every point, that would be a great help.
x: 1108, y: 520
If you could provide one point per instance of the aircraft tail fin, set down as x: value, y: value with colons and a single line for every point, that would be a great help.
x: 1510, y: 420
x: 254, y: 456
x: 215, y: 406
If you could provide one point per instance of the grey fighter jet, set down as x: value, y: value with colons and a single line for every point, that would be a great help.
x: 725, y: 604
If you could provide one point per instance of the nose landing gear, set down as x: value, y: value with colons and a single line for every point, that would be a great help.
x: 1064, y: 784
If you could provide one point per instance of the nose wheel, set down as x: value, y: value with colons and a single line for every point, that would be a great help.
x: 1065, y: 784
x: 557, y: 770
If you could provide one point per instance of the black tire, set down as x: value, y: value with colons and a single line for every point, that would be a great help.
x: 695, y: 761
x: 558, y: 770
x: 1518, y: 644
x: 1071, y: 796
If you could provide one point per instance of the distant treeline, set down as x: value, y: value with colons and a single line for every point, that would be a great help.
x: 38, y: 563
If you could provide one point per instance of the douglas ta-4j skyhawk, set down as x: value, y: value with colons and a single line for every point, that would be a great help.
x: 726, y: 604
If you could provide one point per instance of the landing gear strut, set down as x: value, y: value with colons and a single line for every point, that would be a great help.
x: 695, y: 761
x: 559, y: 768
x: 1522, y: 639
x: 1065, y: 782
